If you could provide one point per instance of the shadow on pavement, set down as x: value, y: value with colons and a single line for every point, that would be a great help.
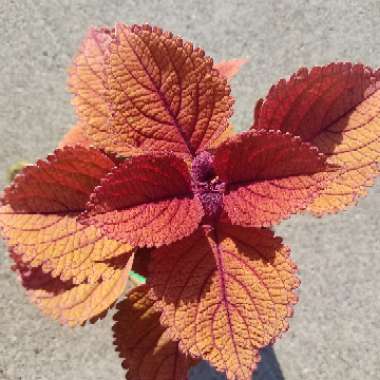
x: 268, y: 369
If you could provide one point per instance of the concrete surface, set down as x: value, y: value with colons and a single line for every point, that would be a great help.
x: 335, y: 333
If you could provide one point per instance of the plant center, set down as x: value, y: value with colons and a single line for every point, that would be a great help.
x: 207, y: 186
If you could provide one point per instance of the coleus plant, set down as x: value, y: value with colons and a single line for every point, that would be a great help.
x: 154, y: 180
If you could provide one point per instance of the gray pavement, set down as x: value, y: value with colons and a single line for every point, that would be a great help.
x: 335, y: 332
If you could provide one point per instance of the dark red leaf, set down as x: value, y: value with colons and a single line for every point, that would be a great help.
x: 336, y: 108
x: 147, y: 201
x: 269, y: 175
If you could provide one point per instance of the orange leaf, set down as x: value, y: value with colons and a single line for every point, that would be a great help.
x: 60, y: 244
x: 82, y: 302
x: 144, y: 345
x: 337, y: 108
x: 35, y: 278
x: 225, y: 294
x: 269, y: 175
x: 147, y: 201
x: 165, y: 94
x: 39, y: 218
x: 75, y: 136
x: 71, y: 304
x: 88, y: 83
x: 230, y: 68
x: 228, y: 133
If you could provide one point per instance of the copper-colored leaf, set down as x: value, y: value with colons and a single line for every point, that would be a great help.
x: 82, y: 302
x: 33, y: 278
x: 147, y: 201
x: 39, y: 218
x: 75, y: 136
x: 71, y: 304
x: 336, y: 108
x: 228, y: 133
x: 269, y: 175
x: 144, y: 345
x: 60, y: 244
x: 230, y: 68
x: 165, y: 94
x: 88, y: 83
x: 225, y: 294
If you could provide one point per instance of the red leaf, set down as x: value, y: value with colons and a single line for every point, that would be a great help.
x: 164, y: 93
x: 144, y: 345
x: 39, y: 218
x: 146, y: 202
x: 60, y: 184
x: 225, y: 294
x: 230, y: 68
x: 337, y: 108
x: 269, y: 175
